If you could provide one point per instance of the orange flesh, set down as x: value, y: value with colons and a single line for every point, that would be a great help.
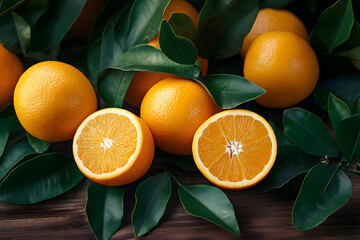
x: 251, y: 148
x: 106, y: 143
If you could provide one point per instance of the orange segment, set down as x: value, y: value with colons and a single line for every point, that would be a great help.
x: 235, y: 149
x: 113, y: 147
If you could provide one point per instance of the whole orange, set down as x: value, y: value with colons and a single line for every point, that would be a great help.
x: 142, y: 81
x: 173, y: 109
x: 269, y: 20
x: 11, y: 69
x: 284, y: 65
x: 51, y: 100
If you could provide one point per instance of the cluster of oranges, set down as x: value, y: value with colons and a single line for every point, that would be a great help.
x: 234, y: 149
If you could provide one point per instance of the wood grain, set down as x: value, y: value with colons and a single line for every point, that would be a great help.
x: 260, y: 216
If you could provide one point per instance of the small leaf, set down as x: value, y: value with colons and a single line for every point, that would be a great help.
x: 13, y: 155
x: 309, y: 132
x: 151, y: 196
x: 352, y: 53
x: 230, y: 91
x: 223, y: 25
x: 291, y: 161
x: 348, y: 137
x: 182, y: 25
x: 333, y: 27
x: 43, y: 177
x: 143, y: 25
x: 104, y: 209
x: 209, y: 203
x: 177, y: 48
x: 148, y: 58
x: 39, y: 145
x: 338, y: 110
x: 113, y: 86
x: 23, y: 31
x: 324, y: 190
x: 4, y: 134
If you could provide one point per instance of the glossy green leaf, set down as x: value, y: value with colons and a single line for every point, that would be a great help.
x: 13, y: 155
x: 345, y: 87
x: 309, y: 132
x: 113, y: 86
x: 7, y: 6
x: 273, y: 3
x: 177, y: 48
x: 338, y: 111
x: 281, y: 139
x: 93, y: 60
x: 324, y: 190
x: 352, y: 53
x: 182, y: 25
x: 143, y: 25
x: 110, y: 49
x: 230, y: 91
x: 4, y: 134
x: 348, y: 137
x: 223, y: 25
x: 151, y: 196
x: 54, y: 24
x: 104, y: 209
x: 209, y: 203
x: 39, y: 145
x: 148, y: 58
x: 23, y: 31
x: 8, y: 35
x: 333, y: 27
x: 290, y: 162
x: 41, y: 178
x: 32, y: 10
x: 9, y: 116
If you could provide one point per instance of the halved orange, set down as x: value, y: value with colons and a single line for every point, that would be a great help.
x: 113, y: 147
x: 235, y: 149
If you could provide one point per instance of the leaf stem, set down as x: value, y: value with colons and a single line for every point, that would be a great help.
x: 352, y: 170
x: 12, y: 8
x: 170, y: 174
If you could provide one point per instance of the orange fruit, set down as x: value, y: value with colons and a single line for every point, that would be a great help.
x: 82, y: 25
x: 173, y: 109
x: 269, y: 20
x: 11, y: 69
x: 235, y: 149
x: 51, y: 100
x: 284, y: 65
x: 113, y: 147
x: 142, y: 81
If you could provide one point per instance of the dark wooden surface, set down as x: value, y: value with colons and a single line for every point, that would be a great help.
x: 260, y: 216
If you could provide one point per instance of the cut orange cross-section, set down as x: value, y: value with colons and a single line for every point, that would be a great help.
x: 235, y: 149
x: 113, y: 147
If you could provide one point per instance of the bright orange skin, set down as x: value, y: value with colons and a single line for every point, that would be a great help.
x: 269, y: 20
x: 11, y: 69
x: 284, y: 65
x: 173, y: 109
x: 51, y: 100
x: 142, y: 81
x: 82, y: 25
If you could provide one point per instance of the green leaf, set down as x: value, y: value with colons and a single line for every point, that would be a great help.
x: 177, y: 48
x: 352, y: 53
x: 186, y: 163
x: 113, y: 86
x: 143, y: 25
x: 309, y: 132
x: 4, y: 134
x: 8, y: 35
x: 345, y: 87
x: 333, y: 27
x: 148, y: 58
x: 230, y: 91
x: 104, y: 209
x: 273, y: 3
x: 348, y: 137
x: 39, y: 145
x: 182, y: 25
x: 223, y: 25
x: 23, y: 31
x: 9, y: 5
x: 43, y: 177
x: 209, y: 203
x: 338, y: 110
x: 324, y: 190
x: 93, y: 60
x: 151, y: 196
x: 32, y: 10
x: 291, y: 161
x: 9, y: 116
x: 281, y: 139
x: 110, y: 49
x: 54, y: 24
x: 13, y: 155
